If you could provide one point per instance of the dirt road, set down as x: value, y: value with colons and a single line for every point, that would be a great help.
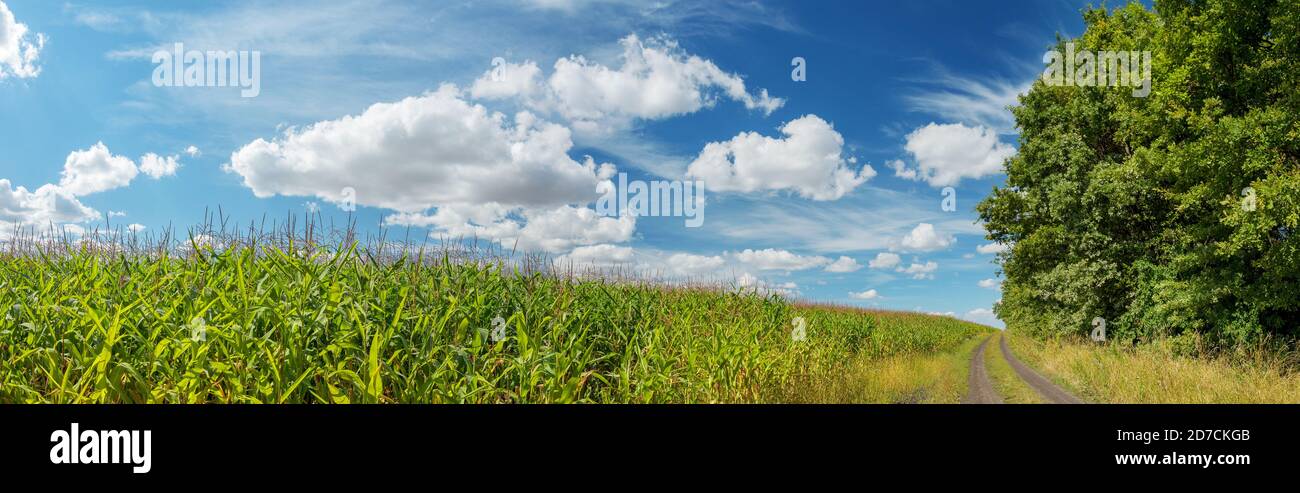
x: 980, y: 390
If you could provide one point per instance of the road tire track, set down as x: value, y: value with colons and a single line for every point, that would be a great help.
x: 1052, y: 393
x: 979, y: 388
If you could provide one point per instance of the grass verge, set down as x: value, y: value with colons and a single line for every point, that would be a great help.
x: 1154, y: 373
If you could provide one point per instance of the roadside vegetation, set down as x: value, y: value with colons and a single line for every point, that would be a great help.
x: 1169, y: 215
x: 1158, y: 373
x: 1164, y: 223
x: 291, y: 318
x: 933, y: 377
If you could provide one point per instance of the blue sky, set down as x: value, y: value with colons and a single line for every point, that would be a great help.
x: 915, y: 91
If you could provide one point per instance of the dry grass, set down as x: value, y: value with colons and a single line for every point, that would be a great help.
x: 1154, y: 373
x: 936, y: 378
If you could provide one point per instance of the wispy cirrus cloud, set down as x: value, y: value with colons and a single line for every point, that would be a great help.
x: 874, y: 218
x: 970, y: 100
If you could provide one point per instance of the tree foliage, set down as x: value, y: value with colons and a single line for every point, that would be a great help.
x: 1166, y: 215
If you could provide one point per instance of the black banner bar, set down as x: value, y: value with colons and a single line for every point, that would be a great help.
x: 316, y: 443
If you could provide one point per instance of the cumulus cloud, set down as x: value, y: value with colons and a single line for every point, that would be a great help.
x: 481, y: 175
x: 992, y: 248
x: 507, y: 80
x: 597, y: 256
x: 774, y: 259
x: 920, y: 271
x: 884, y: 260
x: 809, y: 161
x: 869, y: 294
x: 844, y: 264
x: 96, y: 170
x: 193, y: 151
x: 19, y: 47
x: 990, y: 284
x: 901, y: 170
x: 925, y: 238
x: 85, y: 172
x: 982, y: 316
x: 159, y: 166
x: 135, y: 228
x: 49, y: 204
x: 657, y: 80
x: 408, y: 156
x: 552, y: 230
x: 686, y: 264
x: 945, y: 154
x: 748, y: 281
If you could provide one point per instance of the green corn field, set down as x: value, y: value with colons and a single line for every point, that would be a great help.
x: 285, y: 321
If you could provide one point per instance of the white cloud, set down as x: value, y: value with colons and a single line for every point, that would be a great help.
x: 96, y: 170
x: 749, y: 281
x: 990, y: 284
x: 839, y: 227
x: 992, y: 248
x: 809, y: 160
x: 484, y: 178
x: 976, y: 102
x: 422, y: 152
x: 193, y: 151
x: 924, y: 238
x: 920, y: 271
x: 844, y: 264
x: 47, y: 205
x: 135, y: 228
x: 84, y: 172
x: 19, y: 48
x: 97, y: 20
x: 560, y: 228
x: 657, y: 80
x: 983, y: 316
x: 685, y: 264
x: 884, y: 260
x: 869, y: 294
x: 507, y: 80
x: 570, y: 6
x: 901, y: 170
x: 596, y: 256
x: 774, y: 259
x: 945, y: 154
x: 526, y: 229
x: 159, y: 166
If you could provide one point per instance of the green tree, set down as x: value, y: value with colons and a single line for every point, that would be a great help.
x: 1167, y: 214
